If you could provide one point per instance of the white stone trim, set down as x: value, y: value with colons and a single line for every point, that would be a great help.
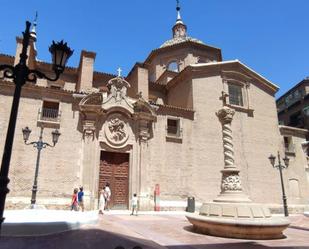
x: 231, y: 62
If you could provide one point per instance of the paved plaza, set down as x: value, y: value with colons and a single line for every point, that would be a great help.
x: 148, y: 230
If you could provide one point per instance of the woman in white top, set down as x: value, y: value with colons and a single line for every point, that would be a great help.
x: 102, y: 201
x: 108, y: 194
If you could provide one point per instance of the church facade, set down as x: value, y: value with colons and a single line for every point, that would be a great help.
x: 155, y: 128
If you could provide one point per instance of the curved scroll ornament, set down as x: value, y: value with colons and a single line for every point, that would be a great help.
x: 231, y: 182
x: 116, y: 130
x: 8, y: 71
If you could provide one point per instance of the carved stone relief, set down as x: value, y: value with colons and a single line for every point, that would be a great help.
x: 89, y: 129
x: 231, y: 182
x: 116, y: 129
x: 118, y: 88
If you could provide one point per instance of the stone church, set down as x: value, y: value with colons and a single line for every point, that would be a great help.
x: 156, y: 128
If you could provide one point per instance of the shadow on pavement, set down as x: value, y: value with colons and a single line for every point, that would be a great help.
x: 245, y: 245
x: 101, y: 239
x: 299, y: 228
x: 77, y: 239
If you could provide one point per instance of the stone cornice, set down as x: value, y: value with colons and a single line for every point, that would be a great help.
x: 32, y: 87
x: 294, y: 131
x: 166, y: 73
x: 157, y: 87
x: 240, y: 68
x: 175, y: 111
x: 219, y: 67
x: 88, y: 54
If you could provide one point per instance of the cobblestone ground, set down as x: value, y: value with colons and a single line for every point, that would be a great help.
x: 154, y: 231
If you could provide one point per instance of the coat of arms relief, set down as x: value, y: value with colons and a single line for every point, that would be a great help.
x: 116, y: 129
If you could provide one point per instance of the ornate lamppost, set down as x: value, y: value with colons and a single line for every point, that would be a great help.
x: 280, y: 166
x: 39, y: 145
x: 20, y: 75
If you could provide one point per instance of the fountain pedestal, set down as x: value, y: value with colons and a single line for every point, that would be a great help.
x: 232, y: 214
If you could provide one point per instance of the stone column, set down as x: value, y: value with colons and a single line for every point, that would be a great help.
x: 89, y: 160
x: 231, y: 189
x: 144, y: 116
x: 143, y: 133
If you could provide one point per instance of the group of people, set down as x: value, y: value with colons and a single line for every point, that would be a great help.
x: 78, y: 199
x: 105, y: 196
x: 104, y: 200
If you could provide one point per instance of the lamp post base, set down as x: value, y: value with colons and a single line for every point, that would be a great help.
x: 36, y: 206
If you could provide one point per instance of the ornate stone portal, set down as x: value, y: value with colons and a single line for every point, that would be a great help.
x: 114, y: 122
x: 232, y: 214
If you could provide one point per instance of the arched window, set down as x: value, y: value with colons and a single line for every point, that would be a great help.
x: 173, y: 66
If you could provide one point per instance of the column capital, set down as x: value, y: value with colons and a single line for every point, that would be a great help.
x: 225, y: 115
x: 89, y: 129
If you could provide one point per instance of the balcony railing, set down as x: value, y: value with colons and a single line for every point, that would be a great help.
x: 49, y: 115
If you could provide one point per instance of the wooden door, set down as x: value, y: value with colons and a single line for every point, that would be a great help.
x: 114, y: 169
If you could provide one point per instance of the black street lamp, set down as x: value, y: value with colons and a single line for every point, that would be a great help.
x: 39, y: 145
x: 286, y: 160
x: 20, y: 75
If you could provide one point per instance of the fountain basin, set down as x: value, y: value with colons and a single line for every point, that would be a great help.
x: 262, y: 228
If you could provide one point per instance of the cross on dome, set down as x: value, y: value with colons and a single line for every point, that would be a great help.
x: 119, y: 71
x: 178, y: 12
x: 33, y: 30
x: 179, y: 29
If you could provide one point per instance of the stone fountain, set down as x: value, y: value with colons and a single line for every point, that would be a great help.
x: 232, y: 214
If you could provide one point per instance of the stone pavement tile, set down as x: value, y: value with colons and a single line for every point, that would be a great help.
x: 155, y: 231
x: 176, y: 232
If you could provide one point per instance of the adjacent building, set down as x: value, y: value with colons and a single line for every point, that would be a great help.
x: 155, y: 127
x: 293, y: 106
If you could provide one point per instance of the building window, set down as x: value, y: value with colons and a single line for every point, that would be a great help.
x: 288, y: 145
x: 50, y: 111
x: 296, y: 120
x: 306, y: 111
x: 235, y: 95
x: 173, y: 127
x: 173, y: 66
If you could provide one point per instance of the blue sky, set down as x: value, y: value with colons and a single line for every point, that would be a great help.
x: 270, y: 36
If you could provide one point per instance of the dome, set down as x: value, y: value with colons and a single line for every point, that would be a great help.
x: 179, y: 32
x: 177, y: 40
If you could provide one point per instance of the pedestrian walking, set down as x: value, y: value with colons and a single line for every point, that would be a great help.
x: 102, y: 201
x: 74, y: 202
x: 134, y: 204
x: 108, y: 194
x: 80, y: 198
